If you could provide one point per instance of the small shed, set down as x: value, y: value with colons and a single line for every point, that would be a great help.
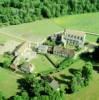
x: 42, y: 49
x: 54, y: 84
x: 27, y: 67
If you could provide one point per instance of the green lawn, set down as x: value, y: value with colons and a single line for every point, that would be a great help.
x: 42, y: 64
x: 8, y: 82
x: 85, y: 22
x: 55, y: 59
x: 4, y: 38
x: 90, y: 92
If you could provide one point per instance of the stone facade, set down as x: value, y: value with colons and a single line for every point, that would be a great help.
x: 42, y: 49
x: 23, y: 51
x: 75, y: 38
x: 63, y: 51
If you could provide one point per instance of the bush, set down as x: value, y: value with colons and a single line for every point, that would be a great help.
x: 81, y: 78
x: 67, y: 62
x: 7, y: 59
x: 87, y: 73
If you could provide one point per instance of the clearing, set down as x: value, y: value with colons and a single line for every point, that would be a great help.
x: 36, y: 31
x: 42, y: 64
x: 90, y: 92
x: 88, y: 22
x: 8, y: 82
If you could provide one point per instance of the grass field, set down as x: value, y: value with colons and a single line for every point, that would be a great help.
x: 90, y: 92
x: 4, y: 38
x: 76, y: 65
x: 35, y: 31
x: 8, y: 37
x: 39, y: 30
x: 91, y: 38
x: 85, y: 22
x: 8, y: 82
x: 42, y: 64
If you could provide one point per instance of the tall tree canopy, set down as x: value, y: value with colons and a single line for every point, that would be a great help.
x: 22, y: 11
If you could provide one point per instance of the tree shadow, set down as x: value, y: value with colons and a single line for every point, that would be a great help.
x: 21, y: 86
x: 11, y: 98
x: 95, y: 54
x: 91, y: 56
x: 24, y: 86
x: 73, y: 71
x: 96, y: 68
x: 86, y: 56
x: 68, y: 90
x: 60, y: 81
x: 1, y: 64
x: 66, y: 77
x: 68, y: 83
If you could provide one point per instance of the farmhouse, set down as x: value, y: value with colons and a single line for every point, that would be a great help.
x: 24, y: 50
x: 75, y: 38
x: 58, y: 50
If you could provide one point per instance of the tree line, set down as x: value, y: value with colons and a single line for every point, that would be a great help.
x: 32, y: 88
x: 81, y: 78
x: 23, y: 11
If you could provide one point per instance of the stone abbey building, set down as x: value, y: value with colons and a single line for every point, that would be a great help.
x: 75, y: 38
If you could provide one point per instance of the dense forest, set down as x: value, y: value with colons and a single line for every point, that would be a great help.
x: 23, y: 11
